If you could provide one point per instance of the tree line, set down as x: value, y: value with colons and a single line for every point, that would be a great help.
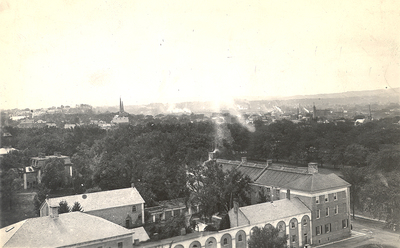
x: 158, y: 157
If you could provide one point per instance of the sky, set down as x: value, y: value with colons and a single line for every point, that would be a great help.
x: 67, y: 52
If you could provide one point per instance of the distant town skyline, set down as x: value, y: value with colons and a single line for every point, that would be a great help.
x: 94, y: 52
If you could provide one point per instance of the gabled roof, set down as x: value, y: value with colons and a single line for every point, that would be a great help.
x: 101, y: 200
x: 277, y: 210
x: 317, y: 182
x: 67, y: 229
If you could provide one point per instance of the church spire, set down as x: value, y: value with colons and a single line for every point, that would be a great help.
x: 121, y: 106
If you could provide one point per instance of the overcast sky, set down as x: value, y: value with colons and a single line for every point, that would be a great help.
x: 68, y: 52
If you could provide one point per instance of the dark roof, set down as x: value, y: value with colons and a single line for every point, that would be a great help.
x: 67, y: 229
x: 253, y: 170
x: 317, y: 182
x: 285, y: 176
x: 278, y: 178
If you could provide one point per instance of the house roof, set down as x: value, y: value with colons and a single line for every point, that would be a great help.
x: 278, y: 177
x: 253, y: 170
x: 101, y: 200
x: 317, y: 182
x: 270, y: 211
x: 67, y: 229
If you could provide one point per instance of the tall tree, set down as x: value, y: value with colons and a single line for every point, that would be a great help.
x: 54, y: 174
x: 266, y: 237
x: 357, y: 178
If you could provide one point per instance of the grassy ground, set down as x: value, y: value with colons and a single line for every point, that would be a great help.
x: 22, y: 208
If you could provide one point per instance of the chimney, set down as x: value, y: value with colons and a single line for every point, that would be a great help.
x: 288, y: 194
x: 244, y: 160
x: 58, y: 154
x: 54, y: 212
x: 269, y: 162
x: 132, y: 185
x: 210, y: 155
x: 236, y: 210
x: 312, y: 168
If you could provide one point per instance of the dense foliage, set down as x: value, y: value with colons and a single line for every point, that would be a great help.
x: 163, y: 158
x: 267, y: 237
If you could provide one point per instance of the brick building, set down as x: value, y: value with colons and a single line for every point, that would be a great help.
x: 124, y: 207
x: 327, y: 196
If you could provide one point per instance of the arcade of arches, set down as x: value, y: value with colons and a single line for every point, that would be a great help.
x: 299, y: 232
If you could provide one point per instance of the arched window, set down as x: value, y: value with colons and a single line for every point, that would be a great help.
x: 195, y: 244
x: 225, y: 241
x: 241, y: 239
x: 211, y: 242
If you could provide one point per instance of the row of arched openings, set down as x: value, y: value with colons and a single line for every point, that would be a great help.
x: 240, y: 237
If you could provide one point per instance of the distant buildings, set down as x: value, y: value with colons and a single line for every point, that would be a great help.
x: 122, y: 117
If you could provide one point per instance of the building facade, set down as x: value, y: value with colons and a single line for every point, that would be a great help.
x: 124, y: 207
x: 327, y: 196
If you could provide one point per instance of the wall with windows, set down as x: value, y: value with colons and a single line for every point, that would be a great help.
x: 119, y: 242
x: 127, y: 216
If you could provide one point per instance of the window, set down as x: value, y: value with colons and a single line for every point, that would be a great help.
x: 304, y: 222
x: 327, y: 228
x: 268, y: 190
x: 317, y: 200
x: 225, y: 241
x: 337, y: 209
x: 293, y: 238
x: 278, y: 192
x: 335, y: 196
x: 327, y: 212
x: 133, y: 208
x: 120, y: 244
x: 240, y: 237
x: 293, y: 224
x: 210, y: 243
x: 345, y: 223
x: 318, y: 213
x: 326, y: 198
x: 318, y: 230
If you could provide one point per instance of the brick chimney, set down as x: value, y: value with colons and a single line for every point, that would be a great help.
x: 210, y: 155
x: 54, y: 211
x: 244, y: 160
x: 236, y: 211
x: 312, y: 168
x: 269, y: 162
x: 288, y: 194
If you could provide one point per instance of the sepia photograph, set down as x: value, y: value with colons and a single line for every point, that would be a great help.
x: 199, y: 123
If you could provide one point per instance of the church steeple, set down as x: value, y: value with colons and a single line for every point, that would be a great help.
x: 121, y: 106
